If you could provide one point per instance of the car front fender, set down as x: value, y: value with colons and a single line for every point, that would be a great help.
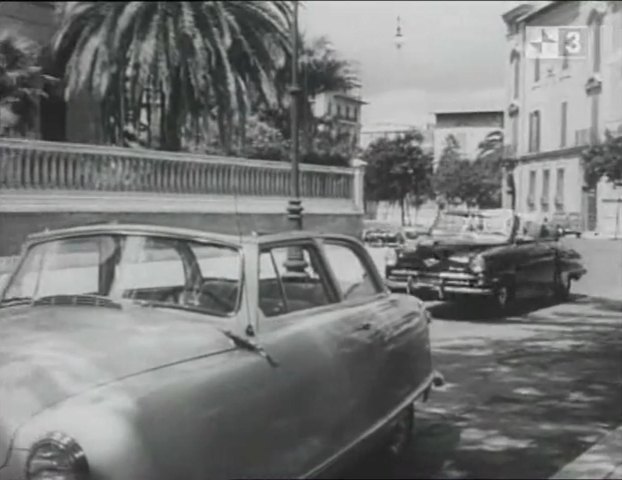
x: 105, y: 432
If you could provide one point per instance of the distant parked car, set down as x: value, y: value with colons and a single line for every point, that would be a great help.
x: 567, y: 223
x: 134, y: 352
x: 492, y: 254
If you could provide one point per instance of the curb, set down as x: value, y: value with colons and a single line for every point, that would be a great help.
x: 602, y: 461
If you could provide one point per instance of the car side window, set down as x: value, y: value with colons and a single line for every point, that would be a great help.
x: 282, y: 290
x: 352, y: 274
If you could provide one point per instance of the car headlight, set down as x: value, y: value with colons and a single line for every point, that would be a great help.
x: 57, y: 457
x: 390, y: 258
x: 477, y: 264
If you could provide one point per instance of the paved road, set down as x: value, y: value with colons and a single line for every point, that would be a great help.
x: 526, y: 394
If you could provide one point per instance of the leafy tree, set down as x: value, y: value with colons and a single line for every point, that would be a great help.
x: 476, y: 183
x: 22, y: 83
x: 603, y: 161
x: 398, y: 170
x: 204, y: 60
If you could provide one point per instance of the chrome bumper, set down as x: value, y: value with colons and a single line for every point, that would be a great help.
x: 445, y: 282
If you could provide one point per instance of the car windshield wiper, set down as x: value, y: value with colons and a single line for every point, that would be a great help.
x: 249, y: 345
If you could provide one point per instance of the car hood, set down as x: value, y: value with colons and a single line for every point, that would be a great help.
x: 49, y: 353
x: 439, y: 249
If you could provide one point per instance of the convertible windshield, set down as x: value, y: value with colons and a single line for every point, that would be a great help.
x: 483, y: 223
x: 155, y: 271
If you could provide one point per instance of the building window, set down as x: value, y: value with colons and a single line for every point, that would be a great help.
x: 534, y: 131
x: 559, y: 191
x: 596, y: 42
x: 536, y: 70
x: 330, y: 108
x: 531, y: 197
x: 516, y: 76
x: 564, y: 125
x: 544, y: 199
x: 356, y: 114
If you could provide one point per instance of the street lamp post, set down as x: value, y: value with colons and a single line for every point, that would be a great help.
x: 295, y: 263
x: 294, y: 207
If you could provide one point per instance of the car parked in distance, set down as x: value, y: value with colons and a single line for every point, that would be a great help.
x: 567, y: 223
x: 144, y: 352
x: 492, y: 254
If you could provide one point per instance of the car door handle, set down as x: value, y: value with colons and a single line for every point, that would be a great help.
x: 363, y: 327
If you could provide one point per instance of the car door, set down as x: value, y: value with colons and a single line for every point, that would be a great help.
x: 393, y: 364
x: 312, y: 409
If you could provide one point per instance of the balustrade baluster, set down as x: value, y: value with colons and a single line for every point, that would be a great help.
x: 167, y: 175
x: 18, y: 171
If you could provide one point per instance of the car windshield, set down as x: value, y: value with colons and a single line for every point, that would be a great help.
x: 153, y: 271
x: 479, y: 223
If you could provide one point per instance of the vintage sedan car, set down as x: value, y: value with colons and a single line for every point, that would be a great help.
x: 491, y: 254
x: 143, y: 352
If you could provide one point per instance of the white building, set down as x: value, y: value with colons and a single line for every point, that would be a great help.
x: 345, y: 108
x: 557, y: 107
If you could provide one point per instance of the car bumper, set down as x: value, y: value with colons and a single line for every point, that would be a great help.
x: 443, y: 283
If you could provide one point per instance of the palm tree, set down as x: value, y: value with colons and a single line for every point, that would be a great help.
x: 491, y: 146
x: 21, y: 83
x: 200, y: 60
x: 321, y: 70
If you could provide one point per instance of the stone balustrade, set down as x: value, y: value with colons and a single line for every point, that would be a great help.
x: 37, y: 165
x: 48, y: 185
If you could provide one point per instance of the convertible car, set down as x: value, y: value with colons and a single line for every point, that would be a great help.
x: 492, y: 254
x: 142, y: 352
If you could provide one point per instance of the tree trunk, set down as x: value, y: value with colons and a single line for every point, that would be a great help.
x: 403, y: 212
x: 171, y: 134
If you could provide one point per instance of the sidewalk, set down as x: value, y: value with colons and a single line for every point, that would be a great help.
x: 602, y: 461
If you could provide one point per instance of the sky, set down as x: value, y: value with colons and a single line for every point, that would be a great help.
x: 453, y: 56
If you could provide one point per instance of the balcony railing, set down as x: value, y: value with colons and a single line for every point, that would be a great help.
x: 37, y: 165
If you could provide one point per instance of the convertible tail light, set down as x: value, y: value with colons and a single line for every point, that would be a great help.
x: 57, y: 457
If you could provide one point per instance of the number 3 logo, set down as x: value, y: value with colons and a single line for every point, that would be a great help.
x: 572, y: 44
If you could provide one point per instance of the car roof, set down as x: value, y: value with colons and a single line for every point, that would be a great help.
x: 175, y: 232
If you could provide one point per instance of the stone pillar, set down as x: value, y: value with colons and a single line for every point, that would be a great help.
x: 359, y: 182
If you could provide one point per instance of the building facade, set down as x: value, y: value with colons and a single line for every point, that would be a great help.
x: 468, y: 127
x: 344, y: 108
x: 559, y: 106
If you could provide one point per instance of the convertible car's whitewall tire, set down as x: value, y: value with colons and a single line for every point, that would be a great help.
x: 401, y: 434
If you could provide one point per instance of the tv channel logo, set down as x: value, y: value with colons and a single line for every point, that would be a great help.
x: 557, y: 42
